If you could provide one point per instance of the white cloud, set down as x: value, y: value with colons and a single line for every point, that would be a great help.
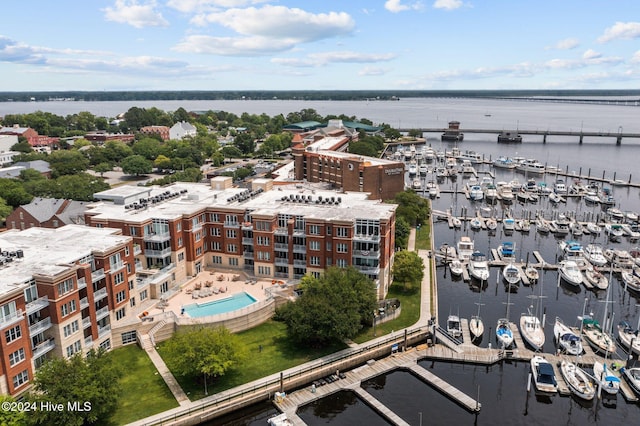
x: 447, y: 4
x: 591, y: 54
x: 396, y: 6
x: 325, y: 58
x: 190, y: 6
x: 230, y: 46
x: 372, y: 71
x: 134, y: 14
x: 636, y: 57
x: 621, y: 30
x: 566, y: 44
x: 589, y: 58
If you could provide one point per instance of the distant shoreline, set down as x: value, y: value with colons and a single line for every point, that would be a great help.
x: 307, y: 95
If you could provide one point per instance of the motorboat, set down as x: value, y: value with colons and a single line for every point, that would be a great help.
x: 478, y: 266
x: 632, y: 376
x: 416, y: 184
x: 476, y: 193
x: 628, y: 337
x: 523, y: 225
x: 531, y: 330
x: 467, y: 167
x: 422, y: 169
x: 504, y: 163
x: 542, y: 226
x: 504, y: 333
x: 490, y: 193
x: 453, y: 326
x: 594, y: 254
x: 544, y: 377
x: 279, y: 420
x: 570, y: 272
x: 456, y: 267
x: 507, y: 251
x: 615, y: 214
x: 619, y: 258
x: 559, y: 187
x: 532, y: 274
x: 631, y: 216
x: 576, y: 228
x: 471, y: 156
x: 491, y: 224
x: 560, y: 226
x: 432, y: 189
x: 609, y: 383
x: 413, y: 169
x: 556, y: 199
x: 630, y: 231
x: 595, y: 278
x: 531, y: 166
x: 451, y: 166
x: 606, y: 198
x: 456, y: 222
x: 601, y: 341
x: 571, y: 250
x: 511, y: 275
x: 441, y: 172
x: 509, y: 224
x: 448, y: 252
x: 590, y: 197
x: 631, y: 281
x: 578, y: 381
x: 568, y: 341
x: 593, y: 228
x: 465, y: 248
x: 475, y: 223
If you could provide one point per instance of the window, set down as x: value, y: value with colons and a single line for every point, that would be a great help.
x: 231, y: 219
x: 120, y: 313
x: 263, y: 241
x: 233, y: 261
x: 130, y: 284
x: 232, y: 248
x: 179, y: 226
x: 314, y: 260
x: 21, y: 379
x: 216, y: 246
x: 65, y: 287
x: 132, y: 231
x: 106, y: 345
x: 342, y: 231
x: 199, y: 251
x: 342, y: 248
x: 180, y: 257
x: 126, y: 250
x: 8, y: 311
x: 264, y: 255
x: 13, y: 334
x: 164, y: 287
x: 71, y: 328
x: 118, y: 278
x: 314, y: 245
x: 215, y: 232
x: 341, y: 263
x: 129, y: 337
x: 143, y: 295
x: 128, y: 268
x: 68, y: 308
x: 263, y: 226
x: 179, y: 241
x: 120, y: 296
x: 314, y: 229
x: 16, y: 357
x: 198, y: 236
x: 216, y: 260
x: 132, y: 302
x: 264, y: 270
x: 214, y: 217
x: 231, y: 233
x: 72, y: 349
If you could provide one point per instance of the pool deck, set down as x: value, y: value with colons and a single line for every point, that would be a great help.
x: 220, y: 281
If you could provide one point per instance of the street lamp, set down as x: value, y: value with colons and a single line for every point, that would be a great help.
x: 374, y: 323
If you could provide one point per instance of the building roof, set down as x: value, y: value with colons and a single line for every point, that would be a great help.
x: 49, y: 251
x: 11, y: 172
x: 44, y: 209
x: 13, y: 130
x: 39, y: 165
x: 303, y: 125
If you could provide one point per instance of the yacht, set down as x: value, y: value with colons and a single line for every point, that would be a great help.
x: 614, y: 231
x: 478, y: 266
x: 544, y: 377
x: 628, y: 337
x: 509, y: 224
x: 531, y: 330
x: 465, y: 248
x: 471, y: 156
x: 476, y: 193
x: 591, y: 197
x: 556, y: 199
x: 578, y: 380
x: 559, y: 187
x: 453, y: 326
x: 507, y: 251
x: 456, y: 267
x: 600, y: 341
x: 467, y: 167
x: 594, y: 254
x: 511, y: 275
x: 595, y: 278
x: 568, y: 341
x: 505, y: 192
x: 491, y: 193
x: 570, y: 272
x: 422, y: 169
x: 504, y: 163
x: 413, y: 169
x: 416, y: 185
x: 492, y: 224
x: 619, y: 258
x: 609, y: 383
x: 531, y: 166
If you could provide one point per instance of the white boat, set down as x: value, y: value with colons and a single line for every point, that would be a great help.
x: 504, y: 333
x: 531, y: 166
x: 531, y: 330
x: 475, y: 223
x: 631, y: 216
x: 471, y: 156
x: 575, y: 228
x: 433, y: 189
x: 628, y: 337
x: 467, y: 167
x: 492, y: 224
x: 591, y: 197
x: 504, y: 163
x: 507, y: 251
x: 279, y: 420
x: 594, y: 254
x: 465, y: 248
x: 609, y: 383
x: 456, y: 222
x: 601, y: 341
x: 523, y: 225
x: 619, y: 258
x: 559, y: 187
x: 593, y: 228
x: 578, y: 381
x: 532, y: 274
x: 632, y: 375
x: 544, y: 377
x: 476, y: 327
x: 615, y: 214
x: 631, y: 281
x: 422, y: 169
x: 614, y: 231
x: 542, y: 226
x: 570, y: 272
x: 416, y: 184
x: 511, y: 275
x: 476, y: 193
x: 556, y: 199
x: 491, y: 193
x: 413, y: 169
x: 456, y: 267
x: 568, y: 341
x: 630, y: 232
x: 560, y: 226
x: 478, y: 266
x: 441, y: 172
x: 595, y: 278
x: 509, y: 224
x: 505, y: 193
x: 448, y: 252
x: 451, y: 165
x: 453, y: 326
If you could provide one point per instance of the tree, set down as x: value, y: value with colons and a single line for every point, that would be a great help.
x: 402, y: 232
x: 231, y: 151
x: 102, y: 168
x: 67, y: 162
x: 136, y: 165
x: 408, y: 269
x: 412, y: 207
x: 5, y: 210
x: 147, y: 147
x: 334, y: 307
x: 206, y: 351
x: 21, y: 147
x: 92, y: 380
x: 14, y: 193
x: 162, y: 163
x: 11, y: 417
x: 362, y: 148
x: 245, y: 143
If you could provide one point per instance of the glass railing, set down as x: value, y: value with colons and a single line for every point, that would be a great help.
x: 40, y: 326
x: 43, y: 348
x: 36, y: 305
x: 101, y: 313
x: 12, y: 318
x: 100, y: 294
x: 97, y: 275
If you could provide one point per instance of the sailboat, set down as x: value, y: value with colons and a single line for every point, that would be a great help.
x: 504, y: 334
x: 600, y: 340
x: 530, y: 327
x: 576, y: 378
x: 476, y: 326
x: 609, y: 383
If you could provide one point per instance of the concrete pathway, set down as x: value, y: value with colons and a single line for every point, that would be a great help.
x: 167, y: 376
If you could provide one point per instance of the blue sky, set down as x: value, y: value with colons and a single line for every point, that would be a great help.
x: 319, y: 45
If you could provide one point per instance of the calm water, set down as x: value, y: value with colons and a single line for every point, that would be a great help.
x: 502, y: 386
x: 235, y: 302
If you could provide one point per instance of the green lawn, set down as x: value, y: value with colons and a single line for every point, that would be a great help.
x: 142, y: 390
x: 277, y: 354
x: 423, y: 237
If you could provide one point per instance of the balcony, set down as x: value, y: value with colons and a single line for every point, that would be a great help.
x: 281, y: 275
x: 367, y: 254
x: 97, y: 275
x: 104, y: 330
x: 363, y: 237
x: 43, y: 348
x: 99, y: 295
x: 297, y: 248
x: 157, y: 237
x: 84, y: 303
x: 371, y: 270
x: 137, y: 249
x: 281, y: 231
x: 36, y: 305
x: 299, y: 262
x: 101, y: 313
x: 247, y: 225
x: 196, y: 227
x: 247, y: 240
x: 82, y: 283
x: 299, y: 232
x: 231, y: 224
x: 281, y: 261
x: 40, y: 326
x: 247, y: 255
x: 158, y: 253
x: 115, y: 267
x: 88, y: 341
x: 11, y: 319
x: 281, y: 246
x: 86, y: 322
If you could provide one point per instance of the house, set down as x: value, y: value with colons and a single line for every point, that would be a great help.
x: 16, y: 130
x: 102, y: 137
x: 181, y: 130
x: 162, y: 131
x: 47, y: 213
x: 7, y: 141
x: 12, y: 172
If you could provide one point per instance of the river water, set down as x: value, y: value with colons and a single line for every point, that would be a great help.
x: 502, y: 387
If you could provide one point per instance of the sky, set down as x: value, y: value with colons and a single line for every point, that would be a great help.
x: 107, y: 45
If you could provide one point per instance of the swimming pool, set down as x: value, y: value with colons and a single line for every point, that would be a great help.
x: 215, y: 307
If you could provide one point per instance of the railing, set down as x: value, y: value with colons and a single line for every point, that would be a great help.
x: 104, y: 330
x: 101, y: 313
x: 97, y: 275
x: 366, y: 253
x: 157, y: 253
x: 115, y: 267
x: 247, y: 241
x: 12, y: 318
x: 298, y: 248
x: 248, y: 255
x: 88, y: 341
x: 281, y: 261
x: 231, y: 224
x: 40, y: 326
x: 281, y: 275
x: 281, y: 246
x: 196, y: 227
x: 137, y: 249
x: 82, y: 283
x: 36, y: 305
x: 100, y: 294
x: 299, y: 262
x: 157, y: 237
x: 43, y: 348
x: 84, y: 303
x: 281, y: 231
x: 363, y: 237
x: 86, y: 322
